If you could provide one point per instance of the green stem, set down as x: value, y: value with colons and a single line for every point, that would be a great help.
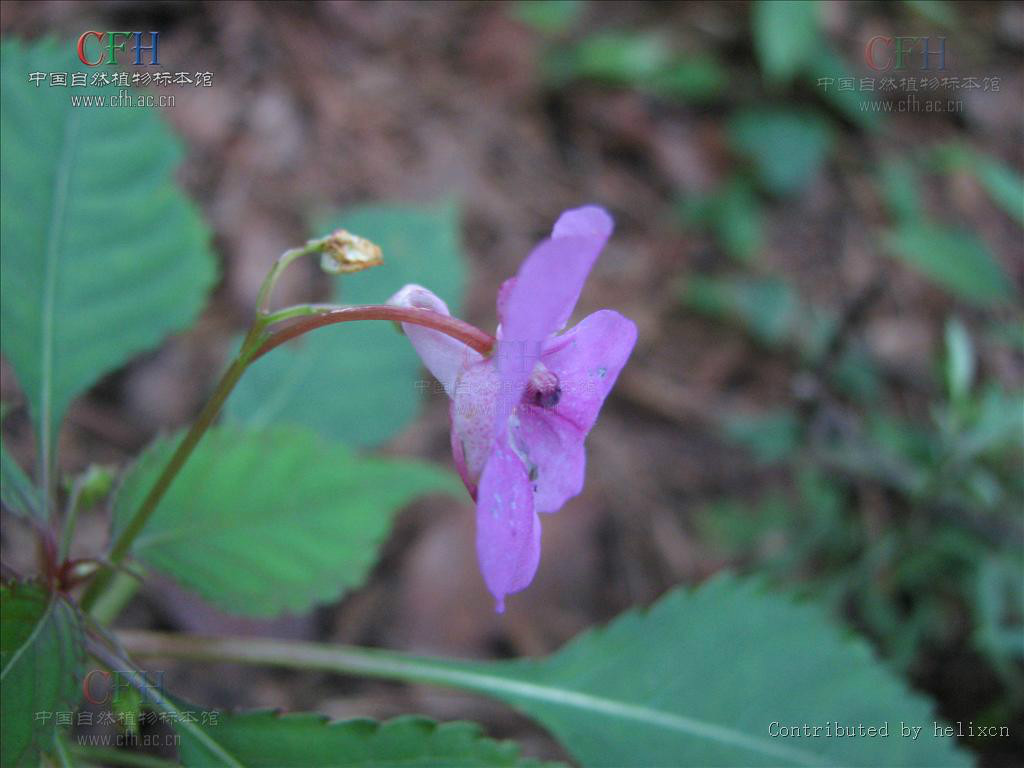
x: 60, y: 749
x: 323, y: 315
x: 70, y: 518
x: 127, y: 535
x: 114, y: 598
x: 310, y: 248
x: 97, y: 647
x: 369, y: 662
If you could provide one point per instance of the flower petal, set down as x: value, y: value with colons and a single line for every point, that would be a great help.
x: 551, y: 447
x: 540, y: 299
x: 474, y: 402
x: 544, y: 294
x: 507, y: 527
x: 587, y: 360
x: 443, y: 356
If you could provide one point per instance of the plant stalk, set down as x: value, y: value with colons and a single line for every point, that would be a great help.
x: 468, y: 334
x: 127, y: 535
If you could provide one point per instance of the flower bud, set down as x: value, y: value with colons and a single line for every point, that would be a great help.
x: 343, y: 252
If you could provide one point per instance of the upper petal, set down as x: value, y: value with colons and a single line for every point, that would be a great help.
x: 587, y: 360
x: 507, y: 527
x: 544, y: 293
x: 443, y: 356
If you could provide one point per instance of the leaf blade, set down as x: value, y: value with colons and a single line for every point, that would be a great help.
x: 42, y: 651
x: 263, y: 522
x: 697, y: 679
x: 956, y: 261
x: 272, y: 740
x: 69, y: 317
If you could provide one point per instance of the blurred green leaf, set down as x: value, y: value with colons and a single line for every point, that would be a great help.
x: 738, y: 528
x: 16, y: 490
x: 690, y: 79
x: 732, y: 212
x: 103, y: 256
x: 265, y: 739
x: 552, y: 17
x: 360, y: 383
x: 1004, y: 186
x: 765, y: 307
x: 997, y: 422
x: 772, y: 436
x: 856, y: 374
x: 265, y: 522
x: 639, y: 60
x: 41, y: 655
x: 622, y: 58
x: 786, y: 146
x: 959, y: 360
x: 899, y: 184
x: 933, y: 10
x: 786, y: 36
x: 824, y: 71
x: 1000, y: 611
x: 958, y: 261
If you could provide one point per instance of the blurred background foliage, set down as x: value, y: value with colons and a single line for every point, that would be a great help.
x: 828, y: 386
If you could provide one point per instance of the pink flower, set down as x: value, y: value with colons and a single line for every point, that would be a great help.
x: 520, y: 416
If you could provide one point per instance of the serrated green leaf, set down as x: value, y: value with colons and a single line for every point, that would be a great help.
x: 958, y: 261
x: 16, y: 490
x: 786, y: 146
x: 786, y: 36
x: 41, y: 653
x: 278, y: 520
x: 103, y: 256
x: 360, y: 383
x: 696, y: 680
x: 269, y: 740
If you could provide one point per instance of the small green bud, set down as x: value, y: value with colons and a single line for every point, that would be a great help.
x: 95, y: 485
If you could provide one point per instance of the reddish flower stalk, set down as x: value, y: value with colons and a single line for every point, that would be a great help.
x: 468, y: 334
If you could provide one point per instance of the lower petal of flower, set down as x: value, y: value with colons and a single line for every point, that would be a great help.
x: 507, y: 526
x: 551, y: 447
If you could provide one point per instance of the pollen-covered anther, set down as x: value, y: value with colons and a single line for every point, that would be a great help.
x: 543, y: 388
